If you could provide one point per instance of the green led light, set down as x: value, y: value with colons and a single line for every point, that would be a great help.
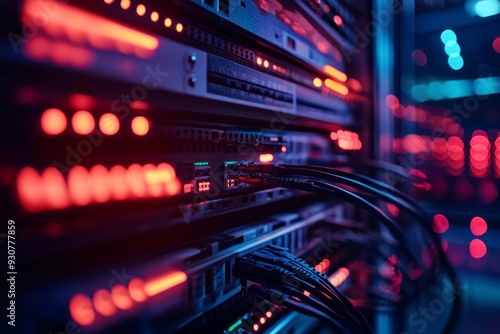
x: 233, y: 326
x: 230, y: 162
x: 201, y: 163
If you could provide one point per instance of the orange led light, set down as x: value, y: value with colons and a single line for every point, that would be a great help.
x: 109, y: 124
x: 135, y: 180
x: 269, y: 314
x: 109, y: 2
x: 267, y: 157
x: 140, y: 125
x: 83, y: 122
x: 53, y: 121
x: 125, y: 4
x: 317, y: 82
x: 168, y: 22
x: 163, y: 283
x: 121, y: 298
x: 103, y: 303
x: 141, y: 10
x: 266, y: 64
x: 81, y: 310
x: 335, y: 86
x: 179, y: 27
x: 255, y: 327
x: 334, y: 73
x: 136, y: 290
x: 262, y: 320
x: 259, y: 61
x: 155, y: 16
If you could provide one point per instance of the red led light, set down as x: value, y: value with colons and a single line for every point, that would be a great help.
x: 56, y: 191
x: 103, y: 303
x: 83, y: 122
x: 80, y: 186
x: 477, y: 249
x: 100, y: 179
x: 109, y: 124
x: 140, y: 125
x: 392, y: 101
x: 81, y: 310
x: 121, y: 298
x: 30, y: 189
x: 478, y: 226
x: 53, y: 121
x: 394, y: 210
x: 419, y: 57
x: 136, y: 290
x: 440, y: 223
x: 338, y: 20
x: 496, y: 45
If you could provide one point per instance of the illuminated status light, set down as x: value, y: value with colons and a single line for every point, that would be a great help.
x: 448, y: 35
x: 262, y: 320
x: 334, y: 73
x: 188, y: 188
x: 53, y: 121
x: 477, y: 248
x: 136, y: 290
x: 168, y: 22
x: 456, y: 62
x: 496, y: 45
x: 338, y: 20
x: 339, y: 276
x: 317, y: 82
x: 83, y: 122
x: 163, y: 283
x: 140, y: 125
x: 478, y: 226
x: 255, y: 327
x: 347, y: 140
x: 266, y: 63
x: 486, y: 8
x: 50, y: 191
x: 81, y: 310
x: 109, y: 124
x: 269, y: 314
x: 125, y: 4
x: 266, y: 157
x: 109, y: 2
x: 452, y: 48
x: 336, y: 87
x: 258, y: 61
x: 235, y: 325
x: 121, y: 297
x: 141, y: 10
x: 479, y: 160
x: 204, y: 186
x: 155, y: 16
x: 103, y: 303
x: 440, y: 223
x: 179, y: 27
x: 392, y: 101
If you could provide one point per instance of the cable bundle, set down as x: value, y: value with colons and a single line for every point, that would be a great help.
x: 340, y: 184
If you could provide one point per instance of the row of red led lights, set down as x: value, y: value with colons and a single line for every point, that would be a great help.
x: 104, y: 303
x: 478, y: 227
x: 347, y: 140
x: 50, y: 190
x: 54, y: 122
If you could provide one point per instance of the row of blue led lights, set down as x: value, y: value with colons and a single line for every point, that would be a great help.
x: 452, y: 49
x: 452, y: 89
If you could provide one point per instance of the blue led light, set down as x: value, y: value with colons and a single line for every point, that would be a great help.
x: 448, y: 35
x: 419, y: 93
x: 452, y: 48
x: 485, y: 8
x: 435, y: 90
x: 456, y: 62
